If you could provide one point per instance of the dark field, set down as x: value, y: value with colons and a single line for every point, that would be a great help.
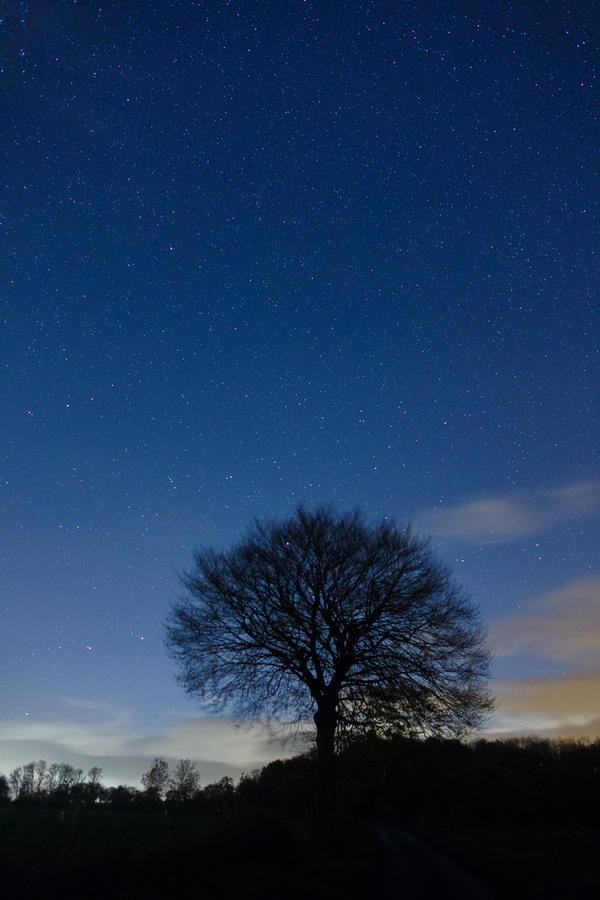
x: 104, y: 853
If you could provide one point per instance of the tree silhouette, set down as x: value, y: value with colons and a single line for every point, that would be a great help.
x: 217, y: 797
x: 94, y: 774
x: 323, y: 615
x: 121, y: 797
x: 4, y: 789
x: 68, y: 776
x: 52, y: 777
x: 41, y: 769
x: 156, y: 779
x: 184, y: 781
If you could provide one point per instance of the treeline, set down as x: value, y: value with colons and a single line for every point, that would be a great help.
x: 398, y: 781
x: 57, y: 783
x: 414, y: 784
x: 63, y: 785
x: 487, y: 783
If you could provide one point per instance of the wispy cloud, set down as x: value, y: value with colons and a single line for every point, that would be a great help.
x: 505, y: 517
x: 100, y: 738
x: 563, y: 624
x: 98, y: 708
x: 565, y: 706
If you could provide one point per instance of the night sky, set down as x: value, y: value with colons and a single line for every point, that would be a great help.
x: 256, y: 254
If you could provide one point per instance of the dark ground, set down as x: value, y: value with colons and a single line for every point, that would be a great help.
x: 95, y: 853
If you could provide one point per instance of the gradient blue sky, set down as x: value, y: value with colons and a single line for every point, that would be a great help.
x: 263, y: 253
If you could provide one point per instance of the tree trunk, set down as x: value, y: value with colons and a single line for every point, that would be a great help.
x: 325, y: 719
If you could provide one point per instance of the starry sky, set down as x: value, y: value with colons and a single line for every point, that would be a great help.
x: 256, y: 254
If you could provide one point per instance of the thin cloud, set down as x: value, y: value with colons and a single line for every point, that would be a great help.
x: 217, y: 744
x: 104, y: 738
x: 565, y: 706
x: 563, y: 624
x: 109, y: 711
x: 501, y: 518
x: 221, y: 738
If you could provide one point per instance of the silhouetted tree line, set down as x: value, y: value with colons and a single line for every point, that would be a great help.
x: 398, y: 781
x: 58, y: 784
x: 533, y: 781
x: 407, y: 782
x: 63, y: 785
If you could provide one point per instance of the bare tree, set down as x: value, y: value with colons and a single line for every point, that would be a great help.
x: 68, y: 776
x: 28, y: 784
x: 156, y: 779
x: 93, y: 775
x: 52, y: 774
x: 185, y: 780
x: 15, y: 780
x: 41, y: 769
x: 325, y: 615
x: 22, y: 781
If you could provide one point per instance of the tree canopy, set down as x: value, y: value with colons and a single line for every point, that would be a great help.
x: 357, y: 625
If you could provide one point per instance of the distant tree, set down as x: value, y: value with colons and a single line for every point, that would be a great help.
x: 323, y: 615
x: 52, y: 777
x: 15, y: 780
x: 68, y: 776
x: 184, y: 782
x: 22, y: 781
x: 40, y: 768
x: 4, y: 789
x: 218, y: 797
x: 121, y: 797
x: 156, y: 779
x: 87, y: 791
x: 28, y: 782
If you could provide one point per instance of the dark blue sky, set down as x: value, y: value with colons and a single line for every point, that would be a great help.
x: 263, y: 253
